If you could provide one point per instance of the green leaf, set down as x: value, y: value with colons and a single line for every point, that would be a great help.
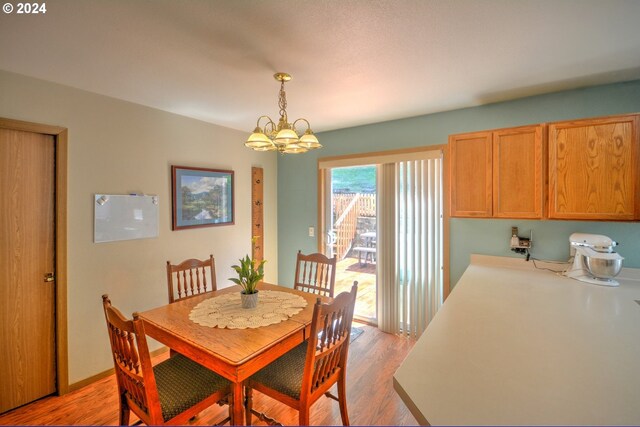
x: 249, y: 273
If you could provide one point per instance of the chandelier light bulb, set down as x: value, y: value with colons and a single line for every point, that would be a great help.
x: 309, y: 141
x: 258, y: 139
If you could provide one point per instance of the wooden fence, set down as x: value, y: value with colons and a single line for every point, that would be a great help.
x: 366, y: 204
x: 347, y: 208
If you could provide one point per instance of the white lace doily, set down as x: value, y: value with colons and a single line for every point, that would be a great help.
x: 225, y: 311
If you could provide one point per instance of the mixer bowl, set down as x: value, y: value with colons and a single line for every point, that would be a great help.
x: 603, y: 268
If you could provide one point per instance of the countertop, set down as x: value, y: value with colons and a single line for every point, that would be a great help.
x: 518, y: 345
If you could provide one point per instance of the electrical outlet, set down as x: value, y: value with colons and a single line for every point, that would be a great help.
x: 312, y: 232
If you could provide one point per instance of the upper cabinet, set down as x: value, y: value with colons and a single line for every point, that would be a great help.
x: 471, y: 184
x: 593, y: 169
x: 518, y: 172
x: 498, y: 173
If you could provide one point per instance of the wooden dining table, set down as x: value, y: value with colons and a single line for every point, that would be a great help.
x: 236, y: 354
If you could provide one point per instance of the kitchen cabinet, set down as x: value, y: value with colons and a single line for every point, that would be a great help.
x: 594, y: 169
x: 518, y: 172
x: 498, y: 173
x: 471, y: 182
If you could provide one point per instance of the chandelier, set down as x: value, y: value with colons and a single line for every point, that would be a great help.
x: 284, y: 136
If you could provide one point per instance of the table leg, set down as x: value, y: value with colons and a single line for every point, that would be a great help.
x: 238, y: 404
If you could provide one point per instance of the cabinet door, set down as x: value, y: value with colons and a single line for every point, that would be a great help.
x: 470, y: 179
x: 593, y: 169
x: 518, y: 173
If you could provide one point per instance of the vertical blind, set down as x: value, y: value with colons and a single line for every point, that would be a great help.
x: 410, y: 276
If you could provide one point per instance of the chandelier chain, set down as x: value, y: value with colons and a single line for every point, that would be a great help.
x: 282, y: 101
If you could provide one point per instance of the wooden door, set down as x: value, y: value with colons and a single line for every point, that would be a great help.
x: 27, y: 334
x: 471, y: 177
x: 593, y: 169
x: 518, y: 173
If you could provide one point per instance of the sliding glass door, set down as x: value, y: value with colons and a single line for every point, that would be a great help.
x: 351, y: 233
x: 382, y: 216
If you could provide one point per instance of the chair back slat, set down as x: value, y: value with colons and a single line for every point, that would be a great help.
x: 315, y: 273
x: 328, y: 345
x: 182, y: 293
x: 190, y: 282
x: 189, y: 278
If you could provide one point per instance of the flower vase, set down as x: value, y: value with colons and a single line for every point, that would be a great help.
x: 249, y: 300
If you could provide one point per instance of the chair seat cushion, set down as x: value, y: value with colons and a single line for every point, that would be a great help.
x: 285, y: 373
x: 183, y: 383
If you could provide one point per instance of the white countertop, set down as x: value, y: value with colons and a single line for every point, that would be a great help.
x: 518, y: 345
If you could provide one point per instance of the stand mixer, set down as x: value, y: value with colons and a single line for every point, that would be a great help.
x: 594, y: 259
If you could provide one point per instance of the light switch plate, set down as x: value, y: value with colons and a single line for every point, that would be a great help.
x: 312, y: 232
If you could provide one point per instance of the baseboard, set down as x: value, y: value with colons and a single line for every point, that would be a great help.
x: 87, y: 381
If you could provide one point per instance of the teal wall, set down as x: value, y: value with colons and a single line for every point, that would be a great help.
x: 297, y: 176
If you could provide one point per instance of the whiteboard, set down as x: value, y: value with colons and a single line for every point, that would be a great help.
x: 124, y: 217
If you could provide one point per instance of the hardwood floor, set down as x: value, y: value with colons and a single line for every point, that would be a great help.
x: 348, y: 270
x: 373, y: 359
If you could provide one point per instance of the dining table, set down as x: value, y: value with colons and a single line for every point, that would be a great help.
x: 235, y: 354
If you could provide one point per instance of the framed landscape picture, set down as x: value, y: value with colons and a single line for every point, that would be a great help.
x: 201, y: 197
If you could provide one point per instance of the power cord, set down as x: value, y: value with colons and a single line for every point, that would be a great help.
x: 528, y: 257
x: 558, y: 272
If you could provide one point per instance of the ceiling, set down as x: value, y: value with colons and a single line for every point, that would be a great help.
x: 353, y: 62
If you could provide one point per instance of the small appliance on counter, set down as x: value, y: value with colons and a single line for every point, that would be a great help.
x: 594, y: 260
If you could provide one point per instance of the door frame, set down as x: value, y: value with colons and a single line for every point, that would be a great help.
x: 389, y: 155
x: 61, y: 150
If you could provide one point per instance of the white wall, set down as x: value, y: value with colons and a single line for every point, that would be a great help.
x: 118, y: 147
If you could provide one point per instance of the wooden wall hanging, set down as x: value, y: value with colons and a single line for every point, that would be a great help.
x: 257, y: 213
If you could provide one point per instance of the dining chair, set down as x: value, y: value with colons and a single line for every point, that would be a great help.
x: 315, y: 273
x: 302, y: 375
x: 171, y: 392
x: 189, y: 278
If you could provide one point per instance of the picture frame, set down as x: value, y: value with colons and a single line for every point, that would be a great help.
x: 201, y: 197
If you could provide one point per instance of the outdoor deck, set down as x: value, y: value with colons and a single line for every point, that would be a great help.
x: 349, y: 270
